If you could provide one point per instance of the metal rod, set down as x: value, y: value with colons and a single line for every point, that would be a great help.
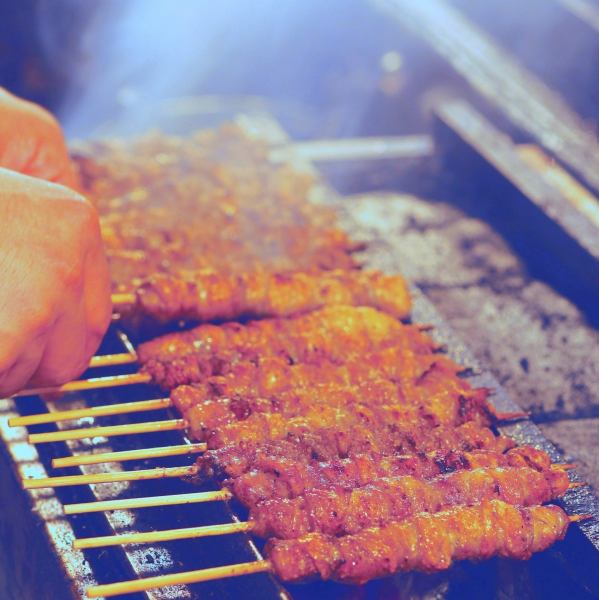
x: 365, y: 148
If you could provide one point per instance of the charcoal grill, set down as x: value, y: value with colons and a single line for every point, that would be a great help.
x: 43, y: 561
x: 576, y: 557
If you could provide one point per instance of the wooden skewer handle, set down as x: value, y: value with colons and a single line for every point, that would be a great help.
x: 95, y: 383
x: 125, y: 455
x: 151, y: 583
x: 119, y: 300
x: 162, y: 536
x: 108, y: 431
x: 66, y: 480
x: 147, y: 502
x: 92, y: 411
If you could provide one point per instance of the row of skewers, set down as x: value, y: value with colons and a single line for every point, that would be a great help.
x: 344, y: 427
x: 358, y: 449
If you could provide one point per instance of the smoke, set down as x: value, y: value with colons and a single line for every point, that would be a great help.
x: 125, y: 61
x: 128, y: 57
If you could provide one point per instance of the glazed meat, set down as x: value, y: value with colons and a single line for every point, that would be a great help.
x: 410, y: 386
x: 323, y: 444
x: 210, y: 200
x: 274, y: 475
x: 332, y: 333
x: 341, y: 511
x: 425, y: 542
x: 209, y: 295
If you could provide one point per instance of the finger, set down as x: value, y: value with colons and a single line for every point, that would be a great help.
x: 26, y: 362
x: 64, y: 356
x: 96, y: 293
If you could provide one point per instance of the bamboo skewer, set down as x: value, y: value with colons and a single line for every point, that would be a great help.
x: 93, y: 411
x: 112, y: 360
x: 147, y: 502
x: 93, y: 383
x: 66, y: 480
x: 156, y: 501
x: 151, y: 537
x: 200, y: 575
x: 125, y: 455
x: 123, y: 299
x: 108, y: 431
x: 151, y: 583
x: 191, y: 532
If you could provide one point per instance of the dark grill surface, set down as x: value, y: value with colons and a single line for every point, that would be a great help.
x: 510, y: 246
x: 572, y: 564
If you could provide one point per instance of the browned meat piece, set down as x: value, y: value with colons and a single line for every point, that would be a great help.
x: 328, y: 444
x: 332, y: 333
x: 341, y: 511
x: 209, y: 200
x: 422, y: 543
x: 399, y: 423
x: 209, y: 295
x: 273, y: 386
x: 274, y: 475
x: 271, y: 376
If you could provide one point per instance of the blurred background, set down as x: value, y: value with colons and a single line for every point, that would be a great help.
x: 340, y: 68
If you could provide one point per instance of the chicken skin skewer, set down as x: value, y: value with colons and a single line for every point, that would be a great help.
x: 425, y: 542
x: 324, y: 444
x: 274, y: 387
x: 332, y: 333
x: 342, y: 511
x: 209, y: 295
x: 275, y: 476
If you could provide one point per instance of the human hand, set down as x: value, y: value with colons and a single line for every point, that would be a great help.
x: 54, y: 283
x: 31, y: 141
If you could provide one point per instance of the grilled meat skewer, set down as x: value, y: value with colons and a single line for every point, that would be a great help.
x: 398, y: 424
x: 209, y: 295
x: 425, y: 385
x: 332, y: 333
x: 328, y: 444
x: 422, y: 543
x: 275, y: 476
x: 342, y: 511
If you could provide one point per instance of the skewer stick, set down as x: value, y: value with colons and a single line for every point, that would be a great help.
x: 578, y: 518
x: 108, y: 431
x: 147, y: 502
x: 111, y: 360
x: 577, y: 484
x: 94, y: 383
x: 93, y: 411
x: 201, y: 575
x: 125, y: 455
x: 124, y: 299
x: 66, y: 480
x: 151, y: 583
x: 151, y: 537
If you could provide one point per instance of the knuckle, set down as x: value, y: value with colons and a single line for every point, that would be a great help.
x: 65, y: 373
x: 38, y: 318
